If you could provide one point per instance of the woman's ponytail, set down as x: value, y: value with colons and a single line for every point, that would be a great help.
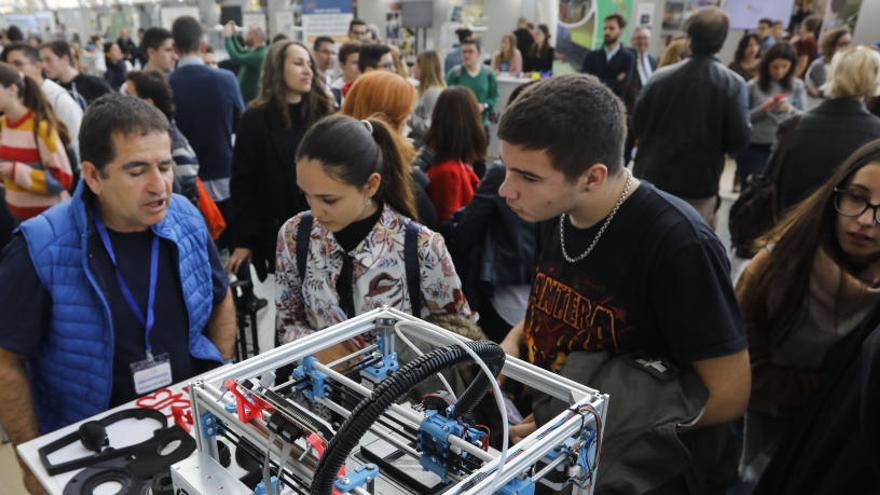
x: 396, y: 189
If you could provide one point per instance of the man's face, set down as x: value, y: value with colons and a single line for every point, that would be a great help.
x: 386, y: 62
x: 54, y: 65
x: 533, y: 189
x: 164, y: 57
x: 763, y: 30
x: 135, y: 189
x: 350, y: 70
x: 641, y: 41
x: 18, y: 60
x: 470, y: 55
x: 123, y: 34
x: 324, y: 56
x: 611, y: 32
x: 359, y: 32
x: 777, y: 31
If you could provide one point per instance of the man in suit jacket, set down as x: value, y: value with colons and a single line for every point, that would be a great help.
x: 208, y: 103
x: 645, y: 66
x: 612, y: 64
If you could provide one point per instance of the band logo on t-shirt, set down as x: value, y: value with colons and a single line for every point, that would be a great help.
x: 560, y: 320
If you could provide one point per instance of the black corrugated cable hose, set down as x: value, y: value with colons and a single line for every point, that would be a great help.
x: 394, y: 387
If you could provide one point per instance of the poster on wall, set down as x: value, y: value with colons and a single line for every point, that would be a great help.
x: 677, y: 12
x: 645, y: 14
x: 745, y: 14
x: 326, y: 18
x: 842, y: 13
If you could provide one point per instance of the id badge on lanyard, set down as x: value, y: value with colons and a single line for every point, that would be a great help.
x: 154, y: 371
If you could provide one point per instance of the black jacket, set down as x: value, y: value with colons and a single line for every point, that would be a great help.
x: 824, y: 138
x: 490, y: 244
x: 115, y: 75
x: 263, y: 184
x: 686, y: 118
x: 542, y: 62
x: 608, y: 71
x: 834, y: 447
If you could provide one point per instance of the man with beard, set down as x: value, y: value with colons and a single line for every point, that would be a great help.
x: 612, y: 64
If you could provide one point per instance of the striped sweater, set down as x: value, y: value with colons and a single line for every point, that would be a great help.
x: 36, y: 173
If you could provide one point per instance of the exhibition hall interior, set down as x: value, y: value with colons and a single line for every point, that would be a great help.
x: 390, y: 247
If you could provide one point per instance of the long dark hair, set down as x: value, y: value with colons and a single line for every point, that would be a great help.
x: 31, y: 96
x: 351, y: 153
x: 456, y: 131
x: 778, y: 298
x: 743, y: 44
x: 273, y: 90
x: 537, y: 50
x: 781, y: 50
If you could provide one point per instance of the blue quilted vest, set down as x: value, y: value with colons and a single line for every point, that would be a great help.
x: 72, y: 376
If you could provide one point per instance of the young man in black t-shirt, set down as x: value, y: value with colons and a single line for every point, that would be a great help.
x: 57, y: 59
x: 623, y: 266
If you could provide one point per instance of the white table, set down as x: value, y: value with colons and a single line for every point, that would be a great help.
x: 121, y: 434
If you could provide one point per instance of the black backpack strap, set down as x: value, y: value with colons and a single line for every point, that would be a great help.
x: 411, y: 260
x: 303, y: 236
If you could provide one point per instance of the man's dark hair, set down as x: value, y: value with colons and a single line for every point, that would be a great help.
x: 108, y: 45
x: 812, y: 24
x: 473, y: 41
x: 187, y: 34
x: 115, y: 114
x: 347, y: 49
x: 26, y: 50
x: 619, y: 19
x: 279, y: 37
x: 14, y: 34
x: 322, y: 39
x: 777, y: 22
x: 767, y: 21
x: 356, y: 22
x: 575, y: 118
x: 60, y: 48
x: 153, y: 85
x: 707, y: 30
x: 370, y: 56
x: 463, y: 34
x: 154, y: 37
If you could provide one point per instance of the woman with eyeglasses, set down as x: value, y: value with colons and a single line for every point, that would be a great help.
x: 815, y: 278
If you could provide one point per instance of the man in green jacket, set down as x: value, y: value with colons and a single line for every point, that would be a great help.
x: 249, y: 58
x: 477, y: 77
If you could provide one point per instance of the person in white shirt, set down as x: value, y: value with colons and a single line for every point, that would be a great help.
x: 26, y: 59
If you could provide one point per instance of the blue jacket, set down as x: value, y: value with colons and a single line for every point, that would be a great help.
x: 71, y: 378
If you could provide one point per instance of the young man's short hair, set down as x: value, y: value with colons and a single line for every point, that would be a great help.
x: 463, y: 34
x: 370, y: 55
x: 575, y: 118
x: 812, y: 24
x: 187, y: 34
x: 347, y: 49
x: 356, y: 22
x: 115, y: 114
x: 619, y: 19
x: 472, y: 41
x: 322, y: 39
x: 26, y: 49
x: 154, y: 37
x: 707, y: 30
x: 767, y: 21
x: 60, y: 48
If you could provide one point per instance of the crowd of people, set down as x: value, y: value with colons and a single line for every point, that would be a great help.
x: 348, y: 181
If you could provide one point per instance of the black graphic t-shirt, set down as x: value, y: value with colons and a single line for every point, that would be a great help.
x: 657, y: 282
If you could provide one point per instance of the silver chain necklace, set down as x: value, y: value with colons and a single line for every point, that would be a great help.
x: 601, y: 229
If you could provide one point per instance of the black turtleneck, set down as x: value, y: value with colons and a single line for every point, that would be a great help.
x: 349, y: 238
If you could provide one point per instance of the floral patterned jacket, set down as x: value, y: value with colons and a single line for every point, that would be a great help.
x: 379, y: 276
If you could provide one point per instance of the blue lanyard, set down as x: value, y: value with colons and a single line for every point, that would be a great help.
x: 126, y: 292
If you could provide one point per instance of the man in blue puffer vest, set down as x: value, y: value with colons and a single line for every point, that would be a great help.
x: 114, y: 293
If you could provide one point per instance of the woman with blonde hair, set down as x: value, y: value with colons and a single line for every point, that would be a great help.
x: 429, y: 72
x: 832, y: 130
x: 390, y: 97
x: 508, y: 58
x: 676, y: 51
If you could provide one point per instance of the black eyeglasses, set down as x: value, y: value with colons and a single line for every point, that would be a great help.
x: 852, y: 204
